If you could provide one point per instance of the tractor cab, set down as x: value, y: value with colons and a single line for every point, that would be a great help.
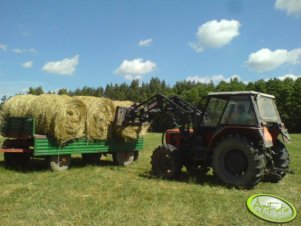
x: 247, y: 113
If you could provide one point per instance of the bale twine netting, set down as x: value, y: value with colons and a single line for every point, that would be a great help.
x: 66, y: 118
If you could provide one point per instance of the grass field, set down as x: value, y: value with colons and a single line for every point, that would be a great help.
x: 111, y: 195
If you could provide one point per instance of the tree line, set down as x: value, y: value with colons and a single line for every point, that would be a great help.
x: 287, y: 93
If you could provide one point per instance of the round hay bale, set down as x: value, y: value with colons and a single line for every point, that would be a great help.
x: 61, y: 117
x: 19, y: 105
x: 100, y: 116
x: 129, y: 133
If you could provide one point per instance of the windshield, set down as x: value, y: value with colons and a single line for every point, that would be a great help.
x: 267, y: 109
x: 214, y: 111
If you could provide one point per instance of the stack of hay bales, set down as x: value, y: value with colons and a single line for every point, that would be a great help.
x: 66, y: 118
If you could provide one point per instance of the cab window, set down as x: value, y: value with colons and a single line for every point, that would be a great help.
x: 239, y: 111
x: 267, y: 109
x: 214, y: 111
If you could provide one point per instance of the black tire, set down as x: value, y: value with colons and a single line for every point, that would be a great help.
x: 281, y: 161
x: 166, y: 162
x: 237, y: 162
x: 92, y: 158
x: 16, y: 160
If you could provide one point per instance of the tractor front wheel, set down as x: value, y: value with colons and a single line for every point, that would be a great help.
x: 237, y: 162
x: 166, y: 162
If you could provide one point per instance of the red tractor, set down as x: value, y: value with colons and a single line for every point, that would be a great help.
x: 239, y: 135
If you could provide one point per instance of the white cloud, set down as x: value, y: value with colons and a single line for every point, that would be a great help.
x: 66, y: 66
x: 212, y: 78
x: 27, y: 64
x: 215, y: 34
x: 20, y: 51
x: 135, y: 69
x: 146, y: 42
x: 267, y: 60
x: 290, y: 6
x: 291, y: 76
x: 3, y: 47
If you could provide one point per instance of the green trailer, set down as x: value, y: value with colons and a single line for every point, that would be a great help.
x: 22, y: 143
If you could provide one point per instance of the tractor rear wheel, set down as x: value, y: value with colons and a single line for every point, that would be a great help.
x: 166, y: 162
x: 281, y: 161
x: 237, y: 162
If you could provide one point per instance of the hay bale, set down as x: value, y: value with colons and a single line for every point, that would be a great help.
x: 19, y: 105
x: 129, y: 133
x: 61, y: 117
x: 100, y: 116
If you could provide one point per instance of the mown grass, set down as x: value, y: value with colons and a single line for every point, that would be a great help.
x: 111, y: 195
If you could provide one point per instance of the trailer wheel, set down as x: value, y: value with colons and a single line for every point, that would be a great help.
x: 59, y: 163
x: 237, y: 162
x: 16, y: 160
x: 124, y: 158
x: 92, y: 158
x: 166, y: 162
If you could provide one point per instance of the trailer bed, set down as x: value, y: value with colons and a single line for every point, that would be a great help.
x: 22, y: 142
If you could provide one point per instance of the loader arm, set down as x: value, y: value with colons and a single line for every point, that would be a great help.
x: 180, y: 112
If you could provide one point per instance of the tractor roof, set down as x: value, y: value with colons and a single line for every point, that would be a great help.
x: 237, y: 93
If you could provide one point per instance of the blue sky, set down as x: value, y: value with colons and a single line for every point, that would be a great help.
x: 70, y: 44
